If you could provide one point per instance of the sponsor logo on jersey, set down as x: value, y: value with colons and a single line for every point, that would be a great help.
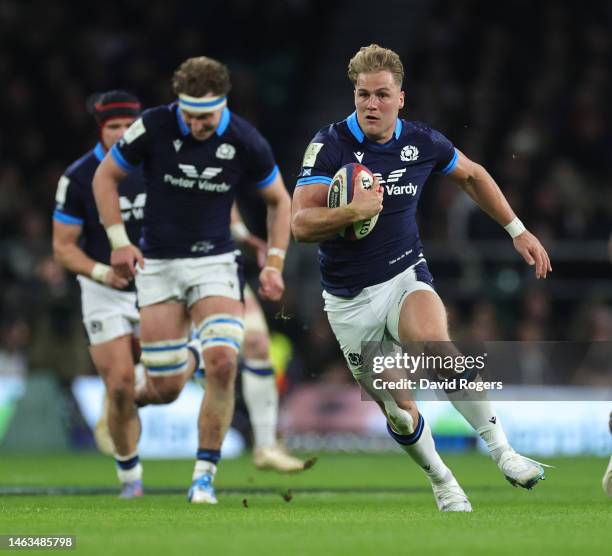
x: 134, y: 209
x: 359, y: 156
x: 226, y: 151
x: 392, y: 179
x: 208, y: 173
x: 202, y: 247
x: 177, y: 145
x: 409, y: 153
x: 193, y: 179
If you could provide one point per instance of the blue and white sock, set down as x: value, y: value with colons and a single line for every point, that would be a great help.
x: 206, y: 462
x: 421, y: 448
x: 261, y: 398
x: 129, y: 468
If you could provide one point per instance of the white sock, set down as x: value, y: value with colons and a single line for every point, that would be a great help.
x: 261, y: 398
x: 486, y: 423
x: 128, y: 475
x: 423, y: 452
x: 203, y: 467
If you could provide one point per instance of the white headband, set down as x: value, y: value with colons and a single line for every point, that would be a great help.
x: 200, y: 105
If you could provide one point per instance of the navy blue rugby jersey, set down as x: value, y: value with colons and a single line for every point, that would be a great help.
x: 402, y: 166
x: 75, y: 204
x: 191, y: 184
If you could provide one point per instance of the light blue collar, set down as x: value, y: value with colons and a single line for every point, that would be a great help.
x: 354, y: 128
x: 181, y: 122
x: 223, y: 123
x: 99, y: 152
x: 225, y: 120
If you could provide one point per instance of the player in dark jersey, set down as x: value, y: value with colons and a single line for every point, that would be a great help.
x: 259, y: 389
x: 109, y: 307
x: 196, y: 156
x: 380, y: 285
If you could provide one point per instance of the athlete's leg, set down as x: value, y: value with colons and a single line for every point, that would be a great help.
x: 221, y: 339
x: 359, y: 321
x: 259, y: 391
x: 258, y: 380
x: 164, y: 329
x: 219, y: 322
x: 113, y: 361
x: 423, y: 319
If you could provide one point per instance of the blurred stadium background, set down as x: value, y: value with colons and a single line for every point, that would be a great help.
x: 526, y: 94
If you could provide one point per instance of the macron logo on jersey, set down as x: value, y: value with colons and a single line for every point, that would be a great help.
x: 393, y: 178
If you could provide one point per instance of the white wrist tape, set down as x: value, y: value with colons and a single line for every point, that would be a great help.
x: 117, y: 236
x: 273, y: 268
x: 239, y: 231
x: 99, y: 272
x: 277, y: 252
x: 515, y: 228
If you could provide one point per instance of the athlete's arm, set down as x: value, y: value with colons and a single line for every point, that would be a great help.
x: 241, y: 234
x: 278, y: 204
x: 106, y: 191
x: 312, y: 221
x: 482, y: 188
x: 67, y: 252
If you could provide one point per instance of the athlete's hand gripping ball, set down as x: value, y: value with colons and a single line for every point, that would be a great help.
x: 355, y: 187
x: 367, y: 202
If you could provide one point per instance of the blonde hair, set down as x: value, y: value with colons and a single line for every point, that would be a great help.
x: 200, y: 76
x: 375, y: 58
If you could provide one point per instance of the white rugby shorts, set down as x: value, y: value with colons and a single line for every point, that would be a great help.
x: 107, y: 313
x: 188, y: 280
x: 373, y: 314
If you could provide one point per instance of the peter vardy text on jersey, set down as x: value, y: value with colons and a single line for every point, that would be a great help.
x: 202, y: 185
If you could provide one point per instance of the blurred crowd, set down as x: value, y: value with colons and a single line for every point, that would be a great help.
x: 525, y: 95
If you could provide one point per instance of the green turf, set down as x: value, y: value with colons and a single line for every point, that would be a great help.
x: 567, y: 514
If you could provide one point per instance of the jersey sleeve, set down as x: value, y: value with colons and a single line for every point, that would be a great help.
x: 69, y: 206
x: 132, y: 148
x: 445, y: 153
x: 261, y: 165
x: 321, y: 161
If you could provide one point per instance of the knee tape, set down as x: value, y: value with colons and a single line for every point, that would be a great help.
x: 221, y: 330
x: 165, y: 358
x: 399, y: 419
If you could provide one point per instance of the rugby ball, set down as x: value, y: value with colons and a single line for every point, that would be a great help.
x: 340, y: 193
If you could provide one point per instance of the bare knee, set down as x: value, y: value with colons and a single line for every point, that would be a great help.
x: 167, y: 389
x: 120, y: 388
x: 256, y: 345
x: 221, y: 369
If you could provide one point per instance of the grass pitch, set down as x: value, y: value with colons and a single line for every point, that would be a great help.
x: 346, y: 504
